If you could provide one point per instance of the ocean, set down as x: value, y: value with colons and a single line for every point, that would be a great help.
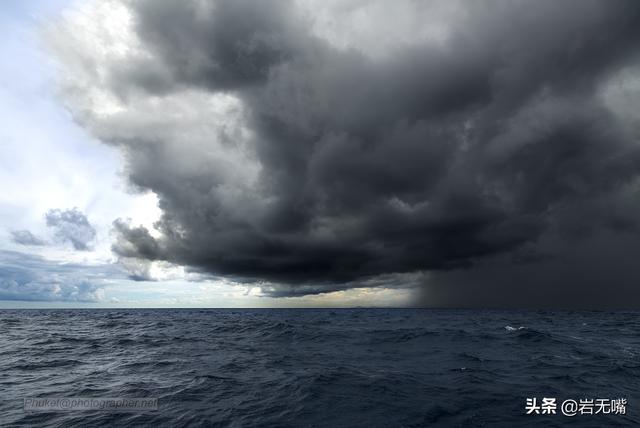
x: 321, y: 367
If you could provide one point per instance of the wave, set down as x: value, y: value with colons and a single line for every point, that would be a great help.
x: 509, y: 328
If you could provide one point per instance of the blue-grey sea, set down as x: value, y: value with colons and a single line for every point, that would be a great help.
x: 319, y: 367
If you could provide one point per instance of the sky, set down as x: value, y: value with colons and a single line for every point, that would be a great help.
x: 217, y: 153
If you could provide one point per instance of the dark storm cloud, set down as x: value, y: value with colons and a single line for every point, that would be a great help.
x: 220, y: 45
x: 71, y: 226
x: 24, y: 237
x: 433, y: 157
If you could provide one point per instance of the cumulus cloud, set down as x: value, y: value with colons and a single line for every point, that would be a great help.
x: 28, y: 277
x: 42, y: 289
x: 311, y: 158
x: 71, y: 226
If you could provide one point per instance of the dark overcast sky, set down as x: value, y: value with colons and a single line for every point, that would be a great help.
x: 498, y: 156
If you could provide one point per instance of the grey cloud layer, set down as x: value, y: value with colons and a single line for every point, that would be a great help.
x: 333, y: 167
x: 25, y: 237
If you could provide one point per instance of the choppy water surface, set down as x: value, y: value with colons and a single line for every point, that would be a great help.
x: 284, y: 367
